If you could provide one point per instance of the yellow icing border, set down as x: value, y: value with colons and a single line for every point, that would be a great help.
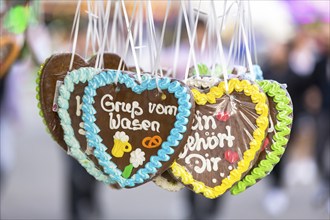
x: 258, y: 97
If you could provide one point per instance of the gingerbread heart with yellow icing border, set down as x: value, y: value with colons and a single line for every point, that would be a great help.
x: 280, y: 117
x: 227, y: 134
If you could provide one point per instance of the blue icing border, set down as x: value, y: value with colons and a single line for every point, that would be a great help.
x: 75, y: 77
x: 167, y: 148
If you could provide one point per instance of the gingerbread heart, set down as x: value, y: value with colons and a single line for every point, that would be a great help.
x: 123, y: 119
x: 220, y: 152
x: 51, y: 73
x: 280, y: 117
x: 69, y: 112
x: 166, y: 181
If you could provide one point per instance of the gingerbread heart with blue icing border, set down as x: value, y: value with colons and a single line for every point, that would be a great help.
x: 136, y: 128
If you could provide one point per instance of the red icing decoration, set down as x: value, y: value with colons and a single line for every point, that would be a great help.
x: 222, y: 116
x: 231, y: 156
x: 266, y: 142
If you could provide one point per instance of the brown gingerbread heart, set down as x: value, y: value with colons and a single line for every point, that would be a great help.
x: 54, y: 70
x: 136, y: 128
x: 226, y: 137
x: 168, y: 182
x: 274, y: 146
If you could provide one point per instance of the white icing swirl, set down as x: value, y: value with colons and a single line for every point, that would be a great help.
x: 205, y: 82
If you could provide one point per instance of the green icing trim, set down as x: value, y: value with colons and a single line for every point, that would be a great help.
x: 283, y: 101
x: 38, y: 95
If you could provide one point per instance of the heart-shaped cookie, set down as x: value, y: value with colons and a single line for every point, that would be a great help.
x: 166, y: 181
x: 280, y: 117
x: 54, y: 70
x: 9, y: 50
x: 227, y: 133
x: 69, y: 112
x: 136, y: 129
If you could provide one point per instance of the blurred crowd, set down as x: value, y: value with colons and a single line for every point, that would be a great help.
x: 299, y: 57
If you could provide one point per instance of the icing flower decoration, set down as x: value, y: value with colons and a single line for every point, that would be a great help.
x: 137, y: 157
x: 231, y: 156
x: 223, y: 116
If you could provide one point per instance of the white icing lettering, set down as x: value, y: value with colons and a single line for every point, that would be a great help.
x: 215, y: 161
x: 112, y: 122
x: 208, y: 165
x: 81, y: 129
x: 79, y: 105
x: 196, y: 143
x: 136, y: 125
x: 145, y: 125
x: 203, y: 163
x: 155, y: 126
x: 207, y: 121
x: 230, y: 138
x: 125, y: 123
x: 162, y: 110
x: 109, y: 106
x: 198, y: 169
x: 132, y: 123
x: 203, y: 122
x: 197, y: 122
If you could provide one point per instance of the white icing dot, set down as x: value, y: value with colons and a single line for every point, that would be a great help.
x: 207, y: 133
x: 214, y: 180
x: 212, y: 133
x: 222, y: 174
x: 206, y: 155
x: 230, y: 167
x: 197, y: 162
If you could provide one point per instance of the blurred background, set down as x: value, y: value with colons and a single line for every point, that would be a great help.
x: 40, y: 181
